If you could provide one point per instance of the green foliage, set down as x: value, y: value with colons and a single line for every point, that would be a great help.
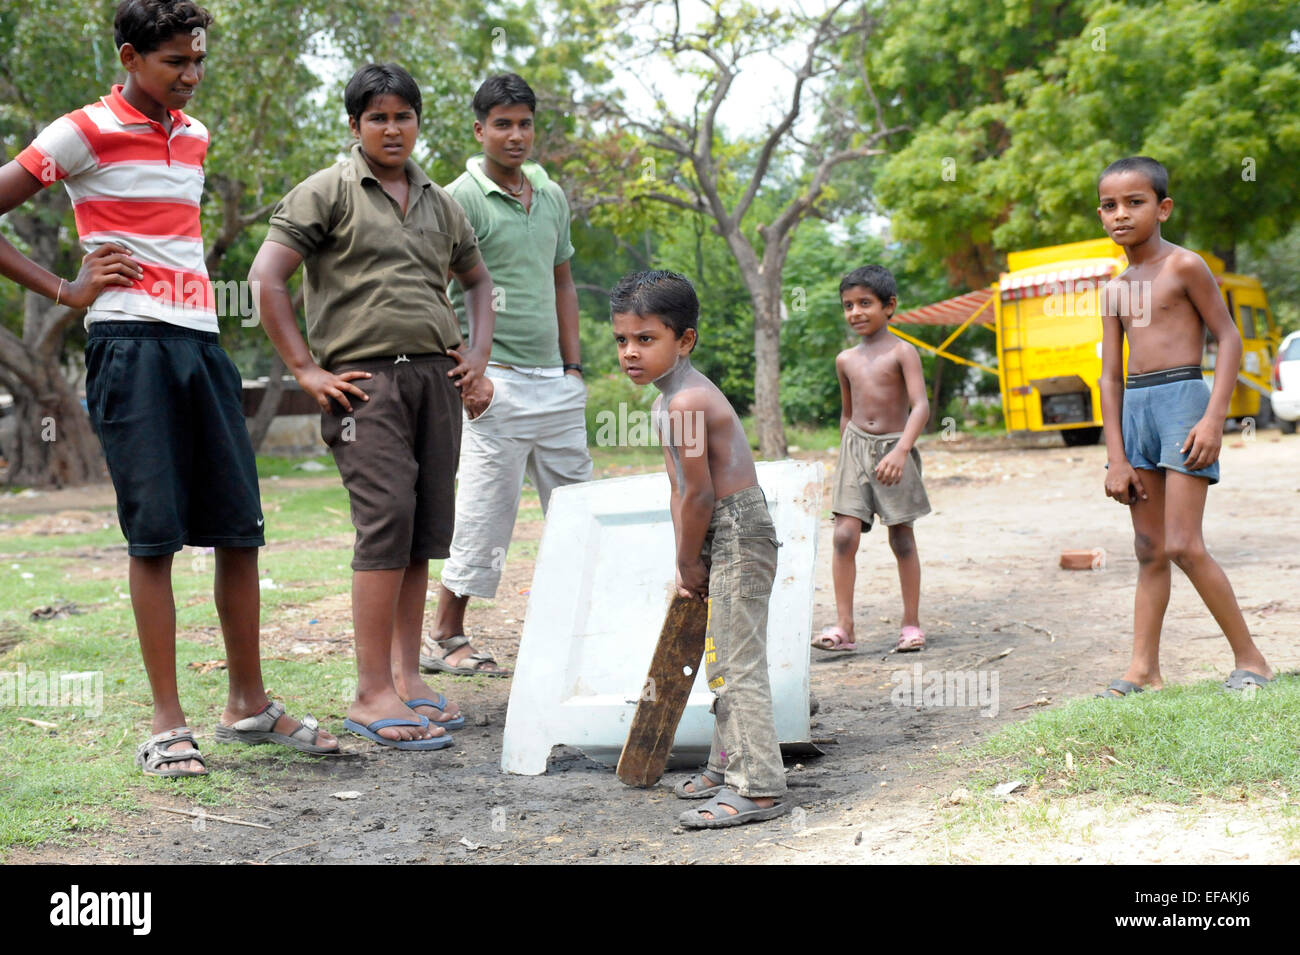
x: 613, y: 395
x: 1008, y: 158
x: 1274, y: 264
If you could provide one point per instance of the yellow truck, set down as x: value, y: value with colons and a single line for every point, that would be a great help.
x: 1045, y: 312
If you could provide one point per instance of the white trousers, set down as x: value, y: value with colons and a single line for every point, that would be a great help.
x: 534, y: 425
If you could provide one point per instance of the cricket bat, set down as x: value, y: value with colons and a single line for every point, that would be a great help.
x: 667, y: 686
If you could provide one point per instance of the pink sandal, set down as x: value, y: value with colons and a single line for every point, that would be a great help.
x: 834, y: 639
x: 911, y: 638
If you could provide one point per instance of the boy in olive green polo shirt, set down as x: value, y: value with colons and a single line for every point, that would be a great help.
x: 527, y: 415
x: 378, y: 239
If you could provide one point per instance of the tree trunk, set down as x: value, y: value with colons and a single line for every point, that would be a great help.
x: 936, y: 386
x: 260, y: 423
x: 53, y: 444
x: 764, y: 284
x: 767, y: 374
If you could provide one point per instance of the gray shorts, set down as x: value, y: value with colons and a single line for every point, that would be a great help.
x: 859, y: 493
x: 1158, y: 417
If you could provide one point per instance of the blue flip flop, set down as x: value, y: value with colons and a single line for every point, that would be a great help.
x: 371, y: 733
x: 439, y: 704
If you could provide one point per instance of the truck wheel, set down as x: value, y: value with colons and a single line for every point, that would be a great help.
x: 1286, y: 427
x: 1076, y: 437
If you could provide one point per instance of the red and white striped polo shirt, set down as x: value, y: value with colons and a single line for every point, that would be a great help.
x: 132, y: 183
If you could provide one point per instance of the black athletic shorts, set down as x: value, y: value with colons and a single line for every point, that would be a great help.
x: 165, y: 402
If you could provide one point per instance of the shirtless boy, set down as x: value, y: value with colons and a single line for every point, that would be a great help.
x: 1164, y: 456
x: 726, y: 545
x: 884, y: 409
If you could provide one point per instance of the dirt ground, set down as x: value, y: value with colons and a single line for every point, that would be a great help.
x: 1004, y: 509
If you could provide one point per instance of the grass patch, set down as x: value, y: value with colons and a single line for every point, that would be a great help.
x: 1178, y: 745
x: 269, y: 466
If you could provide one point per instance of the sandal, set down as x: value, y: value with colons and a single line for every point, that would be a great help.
x: 370, y: 731
x: 910, y: 638
x: 1240, y: 679
x: 704, y: 786
x: 260, y: 728
x: 440, y: 704
x: 1119, y: 689
x: 834, y: 639
x: 437, y: 661
x: 746, y: 811
x: 152, y: 754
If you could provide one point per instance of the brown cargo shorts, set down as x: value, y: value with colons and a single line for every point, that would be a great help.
x: 858, y: 493
x: 397, y: 454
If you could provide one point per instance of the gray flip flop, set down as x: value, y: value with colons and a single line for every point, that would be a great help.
x: 1122, y: 687
x: 259, y: 728
x: 746, y: 811
x: 704, y: 783
x: 1240, y: 679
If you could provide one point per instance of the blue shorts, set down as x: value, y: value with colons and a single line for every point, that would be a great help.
x: 1157, y: 419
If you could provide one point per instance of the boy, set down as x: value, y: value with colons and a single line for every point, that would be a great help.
x: 879, y: 469
x: 533, y: 386
x: 163, y: 396
x: 379, y: 238
x: 726, y: 545
x: 1170, y: 425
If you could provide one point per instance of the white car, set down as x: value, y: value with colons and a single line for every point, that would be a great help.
x: 1286, y: 384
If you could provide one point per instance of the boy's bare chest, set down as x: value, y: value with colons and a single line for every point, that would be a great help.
x: 876, y: 373
x: 1149, y: 299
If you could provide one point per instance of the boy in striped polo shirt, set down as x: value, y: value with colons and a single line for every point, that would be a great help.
x: 163, y: 396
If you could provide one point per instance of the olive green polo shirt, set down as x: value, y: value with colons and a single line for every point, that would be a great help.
x: 376, y: 280
x: 521, y: 250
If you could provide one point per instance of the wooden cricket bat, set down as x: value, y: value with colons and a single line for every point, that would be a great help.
x: 667, y: 686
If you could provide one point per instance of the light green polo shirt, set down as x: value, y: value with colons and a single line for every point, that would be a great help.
x: 375, y: 279
x: 521, y: 250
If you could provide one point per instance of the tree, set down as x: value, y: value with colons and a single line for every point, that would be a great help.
x: 679, y: 158
x: 53, y: 442
x: 273, y: 121
x: 1009, y: 158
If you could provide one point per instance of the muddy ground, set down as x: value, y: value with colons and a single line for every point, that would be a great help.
x: 1004, y: 509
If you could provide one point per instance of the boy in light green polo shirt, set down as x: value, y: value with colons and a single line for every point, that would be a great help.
x: 526, y: 416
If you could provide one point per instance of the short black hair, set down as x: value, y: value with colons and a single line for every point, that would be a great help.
x: 379, y: 79
x: 875, y: 277
x: 666, y: 295
x: 148, y: 24
x: 504, y: 89
x: 1155, y: 173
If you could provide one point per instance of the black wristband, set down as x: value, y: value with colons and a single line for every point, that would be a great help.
x: 573, y: 366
